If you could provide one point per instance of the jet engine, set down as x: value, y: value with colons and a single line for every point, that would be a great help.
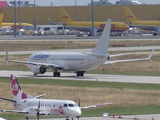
x: 38, y: 70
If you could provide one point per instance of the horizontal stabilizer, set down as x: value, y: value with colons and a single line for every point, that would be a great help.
x: 96, y: 54
x: 14, y: 111
x: 39, y: 96
x: 8, y: 100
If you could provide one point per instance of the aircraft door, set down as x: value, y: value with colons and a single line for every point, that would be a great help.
x: 89, y: 61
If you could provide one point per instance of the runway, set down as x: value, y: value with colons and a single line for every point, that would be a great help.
x: 86, y: 77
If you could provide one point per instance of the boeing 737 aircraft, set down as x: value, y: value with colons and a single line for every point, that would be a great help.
x: 145, y: 25
x: 77, y: 62
x: 3, y: 24
x: 87, y: 26
x: 33, y: 107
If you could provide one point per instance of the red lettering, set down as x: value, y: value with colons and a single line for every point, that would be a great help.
x: 103, y: 25
x: 129, y: 16
x: 65, y: 17
x: 17, y: 26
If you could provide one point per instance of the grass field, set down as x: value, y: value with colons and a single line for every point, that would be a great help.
x: 127, y: 98
x: 48, y: 45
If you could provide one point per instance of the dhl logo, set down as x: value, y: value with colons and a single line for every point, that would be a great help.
x: 129, y: 16
x: 17, y: 26
x: 65, y: 17
x: 103, y: 25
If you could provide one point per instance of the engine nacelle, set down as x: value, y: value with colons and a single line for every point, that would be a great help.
x: 38, y: 70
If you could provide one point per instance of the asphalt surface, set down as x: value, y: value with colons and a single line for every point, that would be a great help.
x: 73, y: 37
x: 86, y: 77
x: 126, y: 117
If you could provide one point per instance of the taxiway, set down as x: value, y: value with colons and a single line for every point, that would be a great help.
x: 86, y: 77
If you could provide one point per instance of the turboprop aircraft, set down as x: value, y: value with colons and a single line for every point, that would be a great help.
x: 33, y: 107
x: 77, y: 62
x: 144, y: 25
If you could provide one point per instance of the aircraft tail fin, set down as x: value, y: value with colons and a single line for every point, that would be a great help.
x: 1, y: 19
x: 130, y: 16
x: 65, y: 17
x: 16, y: 90
x: 102, y: 47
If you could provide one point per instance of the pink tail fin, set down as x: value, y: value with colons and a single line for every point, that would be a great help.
x: 16, y: 90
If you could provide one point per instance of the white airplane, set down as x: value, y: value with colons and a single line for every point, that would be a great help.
x: 33, y: 107
x: 78, y: 62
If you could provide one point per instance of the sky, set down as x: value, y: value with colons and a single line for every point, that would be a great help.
x: 79, y: 2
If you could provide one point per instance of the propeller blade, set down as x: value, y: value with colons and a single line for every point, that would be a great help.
x: 38, y: 110
x: 79, y: 103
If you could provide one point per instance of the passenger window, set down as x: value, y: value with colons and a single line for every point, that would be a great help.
x: 65, y: 105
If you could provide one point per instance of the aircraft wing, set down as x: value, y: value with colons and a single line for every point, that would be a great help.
x: 84, y: 29
x: 93, y: 106
x: 129, y: 60
x: 35, y: 63
x: 14, y: 111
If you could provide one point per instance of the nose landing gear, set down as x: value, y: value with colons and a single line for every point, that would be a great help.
x: 80, y: 73
x: 56, y: 74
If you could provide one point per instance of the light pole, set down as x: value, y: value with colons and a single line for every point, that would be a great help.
x: 15, y: 30
x: 19, y: 14
x: 75, y: 10
x: 92, y: 10
x: 35, y: 24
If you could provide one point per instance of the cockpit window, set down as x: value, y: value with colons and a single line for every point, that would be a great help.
x: 65, y: 105
x: 70, y: 105
x: 75, y: 105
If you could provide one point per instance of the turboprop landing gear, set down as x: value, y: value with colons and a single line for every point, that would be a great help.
x: 80, y: 73
x: 26, y: 118
x: 56, y: 74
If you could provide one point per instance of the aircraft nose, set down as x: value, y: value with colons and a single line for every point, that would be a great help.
x: 77, y: 112
x: 127, y: 27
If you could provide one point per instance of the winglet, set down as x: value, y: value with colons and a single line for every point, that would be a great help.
x: 150, y: 55
x: 7, y: 57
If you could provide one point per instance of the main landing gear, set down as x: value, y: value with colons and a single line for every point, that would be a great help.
x: 69, y: 119
x: 56, y: 74
x: 80, y: 73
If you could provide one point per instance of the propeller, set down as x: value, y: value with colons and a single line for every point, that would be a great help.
x: 79, y: 105
x: 38, y: 110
